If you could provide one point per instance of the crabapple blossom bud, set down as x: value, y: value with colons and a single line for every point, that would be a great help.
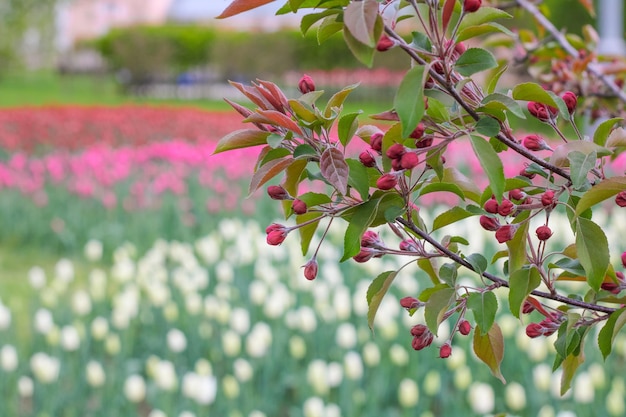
x: 624, y: 259
x: 534, y: 330
x: 470, y: 6
x: 424, y: 142
x: 395, y: 151
x: 445, y: 351
x: 371, y: 239
x: 620, y: 199
x: 422, y: 337
x: 506, y: 232
x: 465, y: 327
x: 491, y: 206
x: 460, y: 48
x: 385, y: 43
x: 525, y: 173
x: 418, y: 132
x: 396, y: 164
x: 611, y: 287
x: 542, y: 111
x: 620, y: 276
x: 409, y: 160
x: 276, y: 234
x: 408, y: 245
x: 547, y: 198
x: 310, y: 269
x: 543, y: 232
x: 527, y: 307
x: 418, y: 330
x: 409, y: 302
x: 364, y: 255
x: 276, y: 192
x: 570, y: 100
x: 376, y: 141
x: 299, y: 206
x: 489, y: 223
x: 517, y: 194
x: 535, y: 143
x: 505, y: 208
x: 306, y: 84
x: 367, y: 159
x: 387, y: 182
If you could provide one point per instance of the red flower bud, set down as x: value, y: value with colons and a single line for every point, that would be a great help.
x: 376, y: 141
x: 387, y: 182
x: 408, y: 245
x: 489, y: 223
x: 527, y: 307
x: 470, y: 6
x: 276, y: 234
x: 547, y: 198
x: 364, y: 255
x: 465, y: 327
x: 543, y: 233
x: 418, y: 132
x: 419, y: 329
x: 367, y: 159
x: 424, y: 339
x: 409, y: 160
x: 506, y: 208
x: 517, y: 194
x: 274, y: 226
x: 424, y: 142
x: 620, y: 199
x: 306, y: 84
x: 445, y: 351
x: 611, y: 287
x: 371, y: 239
x: 542, y: 111
x: 310, y: 269
x: 535, y: 143
x: 624, y: 259
x: 385, y: 43
x: 524, y: 173
x: 570, y: 100
x: 460, y: 48
x: 506, y: 232
x: 396, y: 151
x: 396, y: 164
x: 409, y: 303
x: 276, y: 192
x: 299, y: 206
x: 534, y: 330
x: 491, y: 206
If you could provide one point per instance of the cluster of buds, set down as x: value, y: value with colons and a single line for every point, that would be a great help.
x: 401, y: 157
x: 277, y: 192
x: 504, y: 233
x: 542, y: 112
x: 276, y: 234
x: 372, y: 246
x: 545, y: 327
x: 422, y: 337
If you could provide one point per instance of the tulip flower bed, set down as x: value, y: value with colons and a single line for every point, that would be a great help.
x: 183, y: 310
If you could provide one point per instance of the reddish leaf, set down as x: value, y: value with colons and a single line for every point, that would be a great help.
x: 252, y: 94
x: 240, y: 6
x: 241, y: 139
x: 279, y: 119
x: 276, y: 92
x: 267, y: 172
x: 334, y: 168
x: 448, y: 8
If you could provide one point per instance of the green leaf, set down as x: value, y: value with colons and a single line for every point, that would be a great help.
x: 611, y: 328
x: 560, y: 155
x: 483, y: 15
x: 603, y: 130
x: 534, y: 92
x: 488, y: 126
x: 436, y: 306
x: 495, y: 77
x: 517, y: 245
x: 244, y: 138
x: 450, y: 216
x: 360, y: 19
x: 375, y: 293
x: 600, y: 192
x: 491, y: 164
x: 314, y: 199
x: 310, y: 19
x: 469, y: 188
x: 304, y: 151
x: 448, y: 273
x: 358, y: 178
x: 409, y: 100
x: 421, y: 41
x: 484, y: 305
x: 580, y: 165
x: 328, y: 28
x: 475, y: 31
x: 593, y: 251
x: 338, y: 99
x: 361, y: 219
x: 334, y: 168
x: 390, y: 202
x: 475, y: 60
x: 426, y: 265
x: 293, y: 176
x: 521, y: 283
x: 347, y: 127
x: 307, y: 232
x: 504, y: 102
x: 570, y: 365
x: 437, y: 110
x: 442, y: 186
x: 489, y: 348
x: 362, y: 52
x: 478, y: 262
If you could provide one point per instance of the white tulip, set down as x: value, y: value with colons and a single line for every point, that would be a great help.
x: 176, y: 341
x: 135, y: 388
x: 95, y: 374
x: 45, y: 368
x: 8, y: 358
x: 408, y: 393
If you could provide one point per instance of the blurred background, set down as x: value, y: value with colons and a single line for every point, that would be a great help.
x: 134, y: 275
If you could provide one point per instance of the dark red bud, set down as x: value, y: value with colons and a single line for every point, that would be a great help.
x: 489, y: 223
x: 547, y: 198
x: 571, y: 101
x: 277, y: 236
x: 371, y: 239
x: 367, y: 159
x: 306, y: 84
x: 611, y: 287
x: 543, y: 233
x: 376, y: 141
x: 385, y: 43
x: 524, y: 173
x: 408, y: 245
x: 299, y: 206
x: 624, y: 259
x: 418, y: 132
x: 491, y: 206
x: 445, y: 351
x: 541, y: 111
x: 364, y: 255
x: 505, y: 208
x: 517, y: 194
x: 527, y: 307
x: 276, y: 192
x: 395, y: 151
x: 535, y: 143
x: 620, y: 199
x: 409, y: 160
x: 396, y: 164
x: 470, y: 6
x: 506, y: 233
x: 387, y: 182
x: 465, y: 327
x: 418, y: 330
x: 409, y: 302
x: 534, y: 330
x: 424, y: 142
x: 310, y: 269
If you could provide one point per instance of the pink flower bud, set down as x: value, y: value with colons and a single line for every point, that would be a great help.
x: 611, y: 287
x: 385, y: 43
x: 534, y: 330
x: 418, y: 132
x: 620, y: 199
x: 299, y: 206
x: 571, y: 101
x: 423, y: 339
x: 409, y: 160
x: 535, y: 143
x: 465, y: 327
x: 505, y: 208
x: 371, y: 239
x: 408, y: 245
x: 310, y: 269
x: 506, y: 232
x: 364, y: 255
x: 543, y: 233
x: 387, y: 182
x: 542, y: 111
x: 306, y: 84
x: 491, y: 206
x: 517, y: 194
x: 547, y: 198
x: 396, y: 151
x: 527, y: 307
x: 470, y: 6
x: 624, y: 259
x: 396, y: 164
x: 367, y: 159
x: 489, y: 223
x: 276, y: 234
x: 445, y: 351
x: 524, y: 173
x: 409, y: 302
x: 376, y: 141
x: 276, y: 192
x: 419, y: 330
x: 424, y: 142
